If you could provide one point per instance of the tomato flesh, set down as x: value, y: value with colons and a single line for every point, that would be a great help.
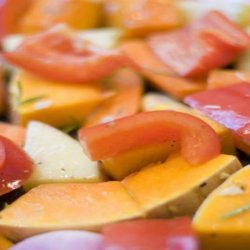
x: 198, y: 141
x: 16, y: 166
x: 174, y: 234
x: 58, y: 55
x: 211, y: 42
x: 228, y: 106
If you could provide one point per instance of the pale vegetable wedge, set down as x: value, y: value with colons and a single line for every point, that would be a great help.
x: 223, y: 220
x: 67, y: 206
x: 57, y: 157
x: 175, y: 187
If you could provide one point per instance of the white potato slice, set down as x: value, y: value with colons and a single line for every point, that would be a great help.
x: 57, y: 157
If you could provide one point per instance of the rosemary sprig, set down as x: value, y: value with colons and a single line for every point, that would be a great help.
x: 31, y: 100
x: 28, y: 100
x: 71, y: 126
x: 20, y: 89
x: 5, y: 205
x: 236, y: 211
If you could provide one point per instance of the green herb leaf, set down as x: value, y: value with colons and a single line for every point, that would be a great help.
x: 20, y: 88
x: 5, y: 205
x: 31, y: 100
x: 236, y: 211
x: 71, y: 126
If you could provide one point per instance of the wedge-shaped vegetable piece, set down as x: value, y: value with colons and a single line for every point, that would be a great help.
x: 153, y: 102
x: 43, y: 14
x: 13, y: 132
x: 198, y: 141
x: 158, y: 73
x: 120, y: 166
x: 222, y: 222
x: 67, y: 206
x: 106, y: 38
x: 228, y: 106
x: 71, y: 59
x: 57, y: 157
x: 4, y: 243
x: 210, y: 42
x: 151, y: 234
x: 224, y: 78
x: 140, y: 17
x: 70, y: 239
x: 15, y: 166
x: 128, y: 89
x: 176, y: 187
x: 55, y: 103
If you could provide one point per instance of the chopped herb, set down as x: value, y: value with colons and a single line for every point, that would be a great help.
x: 31, y: 100
x: 20, y: 88
x: 71, y: 126
x: 5, y: 205
x: 236, y: 211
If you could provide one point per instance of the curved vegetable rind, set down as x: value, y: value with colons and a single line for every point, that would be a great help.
x: 57, y: 55
x: 198, y: 140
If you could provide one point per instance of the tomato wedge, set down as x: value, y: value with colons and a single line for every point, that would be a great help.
x: 198, y: 141
x: 160, y: 75
x: 211, y: 42
x: 229, y: 106
x: 58, y: 55
x: 15, y: 168
x: 176, y: 234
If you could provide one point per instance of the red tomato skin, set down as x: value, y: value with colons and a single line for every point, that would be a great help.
x: 16, y: 167
x: 176, y: 234
x: 211, y: 42
x: 57, y: 55
x: 199, y: 142
x: 228, y: 106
